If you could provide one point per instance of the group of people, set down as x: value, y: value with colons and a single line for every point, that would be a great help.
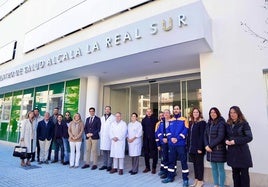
x: 171, y: 136
x: 38, y: 133
x: 221, y: 141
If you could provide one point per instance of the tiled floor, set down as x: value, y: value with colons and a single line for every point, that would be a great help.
x: 12, y: 174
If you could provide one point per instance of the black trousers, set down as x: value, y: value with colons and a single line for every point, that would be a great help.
x: 198, y: 162
x: 59, y: 146
x: 38, y: 150
x: 241, y: 177
x: 150, y: 151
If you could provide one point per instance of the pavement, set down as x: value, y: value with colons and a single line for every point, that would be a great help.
x: 58, y: 175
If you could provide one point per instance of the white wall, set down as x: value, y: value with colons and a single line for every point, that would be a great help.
x: 23, y: 19
x: 232, y: 74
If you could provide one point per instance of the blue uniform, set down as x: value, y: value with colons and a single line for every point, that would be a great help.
x: 178, y: 128
x: 160, y: 134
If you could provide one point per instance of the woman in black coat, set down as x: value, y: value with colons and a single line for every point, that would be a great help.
x: 196, y: 146
x: 215, y: 145
x: 238, y: 153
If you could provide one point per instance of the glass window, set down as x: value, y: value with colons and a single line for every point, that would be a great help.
x: 191, y: 96
x: 27, y: 102
x: 157, y: 96
x: 57, y: 88
x: 169, y: 95
x: 13, y: 126
x: 120, y: 102
x: 1, y: 107
x: 41, y: 98
x: 140, y: 100
x: 7, y: 107
x: 55, y: 101
x: 71, y: 98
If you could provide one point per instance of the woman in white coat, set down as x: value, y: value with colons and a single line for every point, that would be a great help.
x: 27, y: 137
x: 134, y: 142
x: 118, y: 132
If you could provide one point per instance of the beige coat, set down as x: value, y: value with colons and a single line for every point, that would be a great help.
x: 28, y: 134
x: 75, y: 130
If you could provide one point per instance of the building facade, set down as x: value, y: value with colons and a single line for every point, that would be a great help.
x: 133, y: 55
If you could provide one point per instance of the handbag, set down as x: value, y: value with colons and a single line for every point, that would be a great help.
x: 20, y: 151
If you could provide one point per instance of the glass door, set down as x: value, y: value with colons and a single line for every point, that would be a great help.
x: 55, y: 101
x: 120, y: 102
x: 169, y: 95
x: 140, y: 100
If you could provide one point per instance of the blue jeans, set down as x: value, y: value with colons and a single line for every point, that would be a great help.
x: 66, y: 149
x: 218, y: 173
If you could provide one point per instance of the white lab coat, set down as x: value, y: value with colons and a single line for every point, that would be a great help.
x: 135, y: 130
x: 27, y: 133
x: 118, y: 130
x: 105, y: 141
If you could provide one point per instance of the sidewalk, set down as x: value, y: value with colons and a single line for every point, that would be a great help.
x: 12, y: 174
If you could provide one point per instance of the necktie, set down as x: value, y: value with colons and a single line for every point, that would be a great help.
x: 91, y: 120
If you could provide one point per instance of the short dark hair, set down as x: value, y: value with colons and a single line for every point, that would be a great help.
x: 56, y: 108
x: 60, y: 115
x: 36, y: 108
x: 134, y: 113
x: 92, y: 108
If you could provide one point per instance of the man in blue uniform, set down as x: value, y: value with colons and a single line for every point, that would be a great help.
x: 176, y: 134
x: 162, y: 142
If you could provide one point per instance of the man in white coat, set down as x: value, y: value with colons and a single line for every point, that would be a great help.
x: 118, y: 133
x: 134, y: 135
x: 105, y: 142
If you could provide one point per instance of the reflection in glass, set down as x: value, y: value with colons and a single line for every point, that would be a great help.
x: 6, y: 111
x: 55, y: 102
x: 140, y: 100
x: 120, y: 102
x: 1, y: 108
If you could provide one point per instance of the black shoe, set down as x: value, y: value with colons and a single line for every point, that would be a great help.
x: 163, y: 176
x: 146, y: 170
x: 94, y: 167
x: 109, y: 168
x: 103, y: 168
x: 133, y: 173
x: 40, y: 162
x: 130, y: 171
x: 32, y: 160
x: 66, y: 163
x: 46, y: 162
x: 54, y: 161
x: 85, y: 166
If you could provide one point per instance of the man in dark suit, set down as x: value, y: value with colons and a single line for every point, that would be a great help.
x: 45, y: 132
x: 149, y: 143
x: 92, y: 129
x: 54, y: 119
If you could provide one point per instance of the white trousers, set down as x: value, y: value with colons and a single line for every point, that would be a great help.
x: 120, y: 161
x: 75, y: 153
x: 44, y: 147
